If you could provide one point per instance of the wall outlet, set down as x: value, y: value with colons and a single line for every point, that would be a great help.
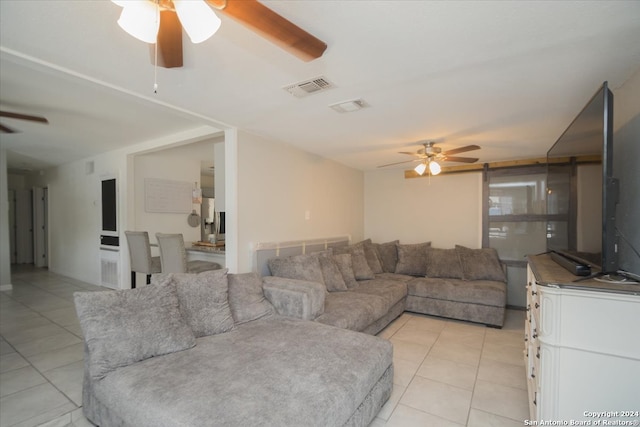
x: 307, y: 215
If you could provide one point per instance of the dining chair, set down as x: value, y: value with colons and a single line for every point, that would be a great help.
x: 140, y: 257
x: 173, y: 256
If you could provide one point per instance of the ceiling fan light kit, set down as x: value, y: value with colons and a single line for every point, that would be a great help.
x: 141, y: 18
x: 421, y: 168
x: 433, y: 166
x: 198, y: 19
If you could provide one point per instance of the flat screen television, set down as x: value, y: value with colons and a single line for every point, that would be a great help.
x: 581, y: 190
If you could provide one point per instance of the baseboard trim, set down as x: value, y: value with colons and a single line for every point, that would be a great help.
x: 8, y: 287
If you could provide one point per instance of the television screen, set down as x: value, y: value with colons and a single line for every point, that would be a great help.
x: 581, y: 191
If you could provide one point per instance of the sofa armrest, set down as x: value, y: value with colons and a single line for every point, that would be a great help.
x: 295, y: 298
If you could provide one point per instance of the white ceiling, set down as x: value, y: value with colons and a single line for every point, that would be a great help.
x: 506, y: 75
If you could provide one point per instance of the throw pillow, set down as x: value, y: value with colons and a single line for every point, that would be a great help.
x: 359, y: 262
x: 371, y: 254
x: 246, y: 298
x: 126, y: 326
x: 343, y: 261
x: 412, y: 259
x: 300, y: 267
x: 333, y: 279
x: 388, y: 253
x: 204, y: 301
x: 443, y: 263
x: 480, y: 264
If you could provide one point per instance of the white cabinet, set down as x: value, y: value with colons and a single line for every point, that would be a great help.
x: 582, y: 347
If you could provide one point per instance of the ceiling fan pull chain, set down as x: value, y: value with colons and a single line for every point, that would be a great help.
x: 155, y: 70
x: 155, y: 55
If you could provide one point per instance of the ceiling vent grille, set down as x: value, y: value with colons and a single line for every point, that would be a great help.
x: 349, y: 106
x: 308, y: 87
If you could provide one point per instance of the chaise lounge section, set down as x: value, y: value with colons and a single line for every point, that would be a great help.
x: 208, y: 350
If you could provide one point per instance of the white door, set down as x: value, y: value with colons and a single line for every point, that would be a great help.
x: 23, y: 226
x: 40, y: 232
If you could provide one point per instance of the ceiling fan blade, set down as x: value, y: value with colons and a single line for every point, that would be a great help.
x: 273, y: 27
x: 169, y: 41
x: 23, y: 117
x: 461, y: 149
x: 411, y: 153
x: 460, y: 159
x: 398, y: 163
x: 5, y: 129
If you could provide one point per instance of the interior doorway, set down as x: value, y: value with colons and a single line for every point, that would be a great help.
x: 28, y: 225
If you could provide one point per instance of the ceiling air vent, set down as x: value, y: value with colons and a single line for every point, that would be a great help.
x: 349, y: 106
x: 307, y: 87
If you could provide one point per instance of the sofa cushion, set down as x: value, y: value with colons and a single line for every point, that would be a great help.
x: 361, y: 268
x: 412, y: 259
x: 301, y: 267
x: 394, y: 276
x: 388, y: 253
x: 443, y: 263
x: 332, y: 275
x: 391, y: 290
x: 371, y: 254
x: 345, y: 265
x: 126, y: 326
x: 480, y: 264
x: 352, y: 310
x: 484, y: 292
x: 246, y: 298
x: 250, y: 375
x: 204, y: 301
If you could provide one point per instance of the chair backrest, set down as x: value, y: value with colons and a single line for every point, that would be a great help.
x: 173, y: 256
x: 139, y: 251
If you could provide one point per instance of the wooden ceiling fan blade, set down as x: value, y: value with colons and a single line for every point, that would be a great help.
x: 23, y: 117
x: 273, y: 27
x: 399, y: 163
x: 460, y: 159
x: 411, y: 153
x: 5, y: 129
x: 169, y: 41
x: 461, y: 149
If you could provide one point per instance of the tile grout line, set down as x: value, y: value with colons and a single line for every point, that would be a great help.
x: 41, y: 373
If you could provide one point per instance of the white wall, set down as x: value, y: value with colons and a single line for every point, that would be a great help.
x: 174, y: 164
x: 444, y: 209
x: 5, y: 250
x: 278, y: 185
x: 75, y: 215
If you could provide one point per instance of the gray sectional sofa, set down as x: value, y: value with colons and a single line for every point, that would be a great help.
x: 209, y: 350
x: 364, y: 286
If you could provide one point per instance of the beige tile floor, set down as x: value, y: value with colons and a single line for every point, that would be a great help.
x: 447, y: 373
